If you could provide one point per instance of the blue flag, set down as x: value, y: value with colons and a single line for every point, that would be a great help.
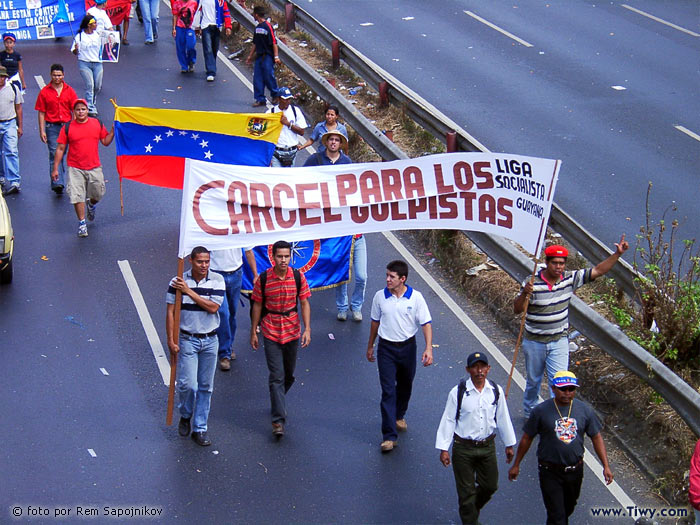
x: 325, y: 262
x: 62, y: 13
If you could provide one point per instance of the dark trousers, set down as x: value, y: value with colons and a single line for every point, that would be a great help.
x: 560, y: 491
x: 264, y: 77
x: 281, y: 361
x: 210, y: 47
x: 476, y: 476
x: 397, y: 367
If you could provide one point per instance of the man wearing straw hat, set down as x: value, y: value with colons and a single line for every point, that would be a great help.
x: 561, y: 423
x: 335, y: 142
x: 546, y: 297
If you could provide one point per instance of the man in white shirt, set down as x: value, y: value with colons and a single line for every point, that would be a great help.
x: 398, y: 312
x: 294, y: 126
x: 229, y: 264
x: 475, y: 409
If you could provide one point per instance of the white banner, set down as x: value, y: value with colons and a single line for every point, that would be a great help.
x: 225, y: 206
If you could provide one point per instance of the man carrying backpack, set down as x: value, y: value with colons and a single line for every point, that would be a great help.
x: 274, y: 308
x: 475, y: 409
x: 294, y: 125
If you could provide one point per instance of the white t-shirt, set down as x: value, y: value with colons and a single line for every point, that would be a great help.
x: 89, y: 46
x: 296, y: 118
x: 227, y: 260
x: 399, y: 318
x: 207, y: 14
x: 9, y: 96
x: 102, y: 19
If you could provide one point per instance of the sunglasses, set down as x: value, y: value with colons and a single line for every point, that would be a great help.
x: 567, y: 388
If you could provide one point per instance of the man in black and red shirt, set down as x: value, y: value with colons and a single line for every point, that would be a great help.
x: 274, y: 301
x: 86, y: 183
x: 266, y: 56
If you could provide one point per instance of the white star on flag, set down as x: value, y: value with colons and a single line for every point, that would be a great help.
x: 204, y: 143
x: 195, y: 136
x: 183, y: 133
x: 169, y: 133
x: 208, y: 155
x: 157, y: 138
x: 148, y: 148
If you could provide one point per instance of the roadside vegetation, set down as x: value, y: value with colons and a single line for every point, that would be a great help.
x: 664, y: 319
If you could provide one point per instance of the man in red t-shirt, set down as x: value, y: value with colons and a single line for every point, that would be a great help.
x: 280, y: 326
x: 86, y: 183
x: 54, y: 106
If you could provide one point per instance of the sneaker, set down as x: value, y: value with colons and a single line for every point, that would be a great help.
x: 184, y: 71
x: 278, y: 429
x: 148, y: 42
x: 190, y: 68
x: 224, y: 364
x: 356, y: 315
x: 90, y: 210
x: 342, y: 316
x: 14, y: 188
x: 82, y: 230
x: 401, y: 425
x: 210, y: 78
x: 58, y: 189
x: 387, y: 446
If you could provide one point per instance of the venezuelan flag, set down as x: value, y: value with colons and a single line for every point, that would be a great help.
x: 152, y: 144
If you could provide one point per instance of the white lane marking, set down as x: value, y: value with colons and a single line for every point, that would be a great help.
x: 146, y: 321
x: 660, y: 20
x: 499, y: 29
x: 92, y: 453
x: 618, y: 88
x: 104, y: 371
x: 40, y: 81
x: 688, y: 132
x: 518, y: 379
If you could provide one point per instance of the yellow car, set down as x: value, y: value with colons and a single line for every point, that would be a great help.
x: 7, y: 243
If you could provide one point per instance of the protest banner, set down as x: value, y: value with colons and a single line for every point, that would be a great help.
x: 227, y: 206
x: 37, y: 19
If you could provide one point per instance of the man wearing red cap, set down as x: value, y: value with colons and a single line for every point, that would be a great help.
x: 546, y: 298
x: 86, y: 183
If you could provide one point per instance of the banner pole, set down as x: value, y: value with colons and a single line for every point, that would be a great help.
x: 532, y: 280
x: 176, y: 337
x: 121, y: 195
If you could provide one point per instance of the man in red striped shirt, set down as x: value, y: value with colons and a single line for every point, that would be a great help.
x: 275, y: 295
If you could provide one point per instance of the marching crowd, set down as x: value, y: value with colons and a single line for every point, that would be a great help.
x: 476, y: 408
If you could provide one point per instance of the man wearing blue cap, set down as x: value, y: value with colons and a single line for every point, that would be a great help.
x: 475, y: 409
x: 561, y: 424
x: 294, y: 126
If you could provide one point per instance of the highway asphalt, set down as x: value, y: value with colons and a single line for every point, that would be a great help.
x: 85, y: 401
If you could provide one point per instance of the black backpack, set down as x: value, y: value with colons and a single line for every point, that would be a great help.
x: 263, y: 283
x: 462, y: 388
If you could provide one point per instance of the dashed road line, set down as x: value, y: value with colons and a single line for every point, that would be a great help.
x: 688, y: 132
x: 146, y: 321
x: 499, y: 29
x: 660, y: 20
x: 40, y: 81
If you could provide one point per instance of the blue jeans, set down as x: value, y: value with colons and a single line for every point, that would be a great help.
x: 554, y: 355
x: 185, y: 42
x: 9, y: 152
x: 149, y: 11
x: 52, y: 131
x: 397, y: 368
x: 227, y: 313
x: 359, y: 269
x: 210, y: 48
x: 195, y: 378
x: 281, y: 362
x: 92, y: 76
x: 264, y: 77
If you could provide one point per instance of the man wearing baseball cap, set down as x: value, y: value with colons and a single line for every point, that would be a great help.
x: 475, y: 409
x: 561, y: 423
x: 546, y: 297
x: 294, y: 125
x: 10, y: 131
x: 86, y: 183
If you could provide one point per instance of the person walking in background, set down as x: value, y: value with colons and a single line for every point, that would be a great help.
x: 185, y: 39
x: 266, y: 56
x: 99, y: 13
x: 476, y: 408
x: 329, y: 124
x: 294, y: 126
x: 86, y: 183
x: 197, y: 344
x: 398, y: 312
x: 54, y: 106
x: 10, y: 131
x: 210, y: 17
x: 150, y: 10
x: 11, y: 60
x: 87, y: 45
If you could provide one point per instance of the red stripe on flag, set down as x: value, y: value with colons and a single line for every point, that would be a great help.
x: 166, y: 172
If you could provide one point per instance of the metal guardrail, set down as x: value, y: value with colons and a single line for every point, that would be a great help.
x: 684, y: 400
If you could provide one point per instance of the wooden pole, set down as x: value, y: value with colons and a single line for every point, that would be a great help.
x: 532, y: 280
x: 121, y: 195
x: 176, y: 337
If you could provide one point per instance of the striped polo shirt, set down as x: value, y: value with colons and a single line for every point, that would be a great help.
x: 193, y: 317
x: 281, y: 296
x: 547, y: 316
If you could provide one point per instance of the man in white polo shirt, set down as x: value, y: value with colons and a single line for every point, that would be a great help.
x: 398, y: 311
